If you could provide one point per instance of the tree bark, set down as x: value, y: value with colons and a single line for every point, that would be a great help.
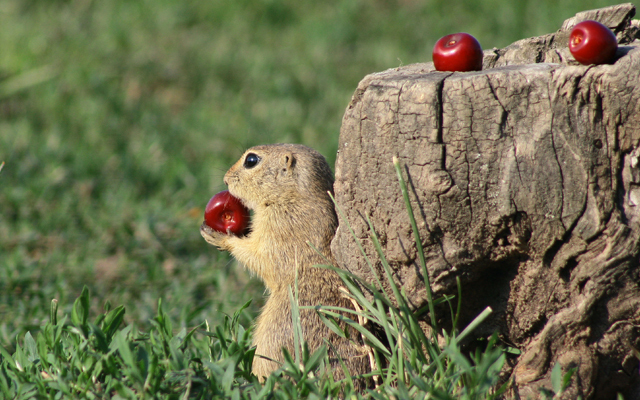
x: 525, y: 182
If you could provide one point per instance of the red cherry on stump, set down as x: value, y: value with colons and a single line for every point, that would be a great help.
x: 457, y: 52
x: 590, y: 42
x: 225, y: 212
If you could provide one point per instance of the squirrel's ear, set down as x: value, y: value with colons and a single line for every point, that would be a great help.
x: 288, y: 161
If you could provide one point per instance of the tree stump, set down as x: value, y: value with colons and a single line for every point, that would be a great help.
x: 525, y: 182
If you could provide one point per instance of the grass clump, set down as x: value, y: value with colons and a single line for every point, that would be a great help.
x: 76, y: 358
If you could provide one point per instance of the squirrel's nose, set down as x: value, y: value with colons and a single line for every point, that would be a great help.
x: 227, y: 178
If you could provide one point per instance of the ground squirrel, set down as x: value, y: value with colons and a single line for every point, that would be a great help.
x: 286, y: 186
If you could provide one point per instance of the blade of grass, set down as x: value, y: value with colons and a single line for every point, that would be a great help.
x: 416, y: 235
x: 474, y: 324
x: 25, y: 80
x: 341, y: 309
x: 53, y: 313
x: 298, y: 338
x: 459, y: 305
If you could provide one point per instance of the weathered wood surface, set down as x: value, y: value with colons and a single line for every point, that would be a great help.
x: 526, y: 185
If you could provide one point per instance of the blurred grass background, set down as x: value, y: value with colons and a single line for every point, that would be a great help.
x: 118, y: 119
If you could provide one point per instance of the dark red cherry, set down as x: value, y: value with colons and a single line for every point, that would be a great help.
x: 457, y: 52
x: 225, y: 212
x: 590, y: 42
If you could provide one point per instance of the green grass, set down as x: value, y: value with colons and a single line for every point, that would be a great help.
x: 118, y: 119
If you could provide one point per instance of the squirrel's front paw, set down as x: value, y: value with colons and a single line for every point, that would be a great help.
x: 213, y: 237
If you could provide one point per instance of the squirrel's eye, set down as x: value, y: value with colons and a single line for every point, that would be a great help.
x: 251, y: 160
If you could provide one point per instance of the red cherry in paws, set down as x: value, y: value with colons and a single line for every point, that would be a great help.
x: 225, y: 212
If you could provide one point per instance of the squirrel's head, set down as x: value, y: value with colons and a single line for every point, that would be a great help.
x: 279, y: 174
